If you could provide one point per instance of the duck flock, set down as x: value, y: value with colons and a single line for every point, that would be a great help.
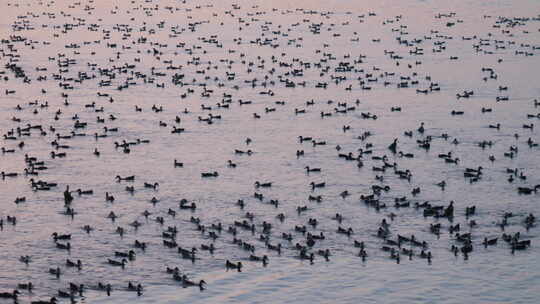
x: 154, y: 143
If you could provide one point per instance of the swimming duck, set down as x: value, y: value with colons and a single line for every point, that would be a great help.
x: 342, y: 230
x: 274, y: 247
x: 489, y: 242
x: 421, y: 129
x: 25, y: 259
x: 178, y: 164
x: 393, y: 146
x: 53, y: 300
x: 106, y: 287
x: 263, y: 185
x: 209, y: 174
x: 230, y: 265
x: 85, y: 192
x: 55, y: 272
x: 26, y: 286
x: 209, y: 248
x: 305, y: 256
x: 9, y: 174
x: 66, y: 246
x: 117, y: 263
x: 317, y: 198
x: 263, y: 259
x: 120, y: 231
x: 149, y: 185
x: 57, y: 236
x: 10, y: 295
x: 108, y: 197
x: 407, y: 155
x: 112, y: 216
x: 442, y: 184
x: 130, y: 254
x: 325, y: 253
x: 317, y: 185
x: 138, y: 288
x: 338, y: 217
x: 185, y: 205
x: 64, y: 294
x: 87, y: 228
x: 140, y: 245
x: 187, y: 283
x: 77, y: 264
x: 127, y: 178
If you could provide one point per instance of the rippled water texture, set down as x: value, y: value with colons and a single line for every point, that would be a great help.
x: 225, y: 53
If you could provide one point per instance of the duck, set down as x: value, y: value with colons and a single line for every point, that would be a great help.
x: 153, y: 186
x: 185, y: 205
x: 488, y: 242
x: 317, y: 198
x: 108, y: 197
x: 230, y: 265
x: 85, y: 192
x: 442, y: 184
x: 57, y: 236
x: 305, y: 256
x: 77, y: 264
x: 120, y: 231
x: 66, y: 246
x: 342, y: 230
x: 4, y: 150
x: 209, y: 248
x: 263, y: 259
x: 421, y: 129
x: 309, y: 169
x: 263, y: 185
x: 130, y: 254
x: 317, y: 185
x: 112, y: 215
x: 10, y: 295
x: 106, y: 287
x: 26, y: 286
x: 138, y: 288
x: 121, y: 263
x: 87, y: 228
x: 209, y: 174
x: 393, y: 146
x: 127, y: 178
x: 52, y: 300
x: 140, y: 245
x: 325, y: 253
x: 64, y: 294
x: 55, y: 271
x: 9, y: 174
x: 407, y: 155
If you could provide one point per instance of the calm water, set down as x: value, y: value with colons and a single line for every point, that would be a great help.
x: 211, y: 42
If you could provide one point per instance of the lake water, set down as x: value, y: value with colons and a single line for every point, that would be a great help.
x: 232, y: 49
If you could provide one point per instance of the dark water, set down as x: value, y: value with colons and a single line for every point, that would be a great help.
x: 490, y: 274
